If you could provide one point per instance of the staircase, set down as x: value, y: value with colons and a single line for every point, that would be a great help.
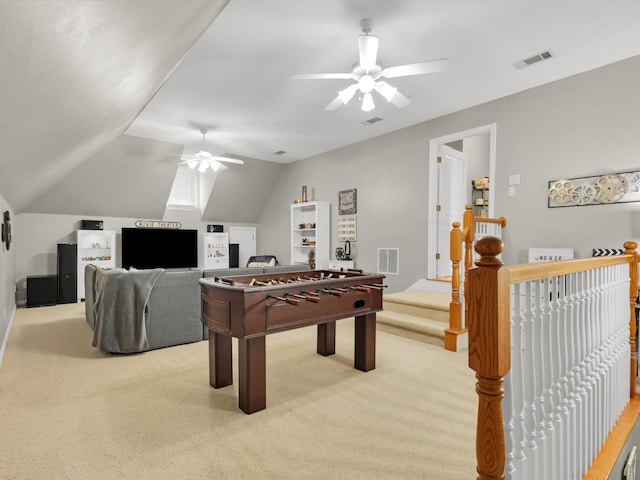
x: 419, y: 315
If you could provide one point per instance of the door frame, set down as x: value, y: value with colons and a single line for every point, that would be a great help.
x: 250, y: 229
x: 432, y: 218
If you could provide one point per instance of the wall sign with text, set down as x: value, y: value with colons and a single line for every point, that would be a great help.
x: 347, y: 202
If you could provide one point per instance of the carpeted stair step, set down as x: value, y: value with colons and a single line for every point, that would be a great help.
x: 409, y: 326
x: 431, y: 305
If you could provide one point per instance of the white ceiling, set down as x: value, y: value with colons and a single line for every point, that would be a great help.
x: 235, y: 81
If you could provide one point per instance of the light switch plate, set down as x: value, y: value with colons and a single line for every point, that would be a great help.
x: 514, y: 179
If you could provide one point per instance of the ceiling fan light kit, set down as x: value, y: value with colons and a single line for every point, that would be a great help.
x: 368, y: 72
x: 204, y: 160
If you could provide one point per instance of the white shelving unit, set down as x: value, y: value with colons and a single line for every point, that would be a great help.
x: 95, y: 247
x: 310, y: 232
x: 341, y: 264
x: 216, y: 251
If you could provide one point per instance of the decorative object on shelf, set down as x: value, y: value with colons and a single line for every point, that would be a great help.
x: 304, y: 194
x: 347, y: 228
x: 479, y: 196
x: 347, y: 202
x: 156, y: 224
x: 621, y: 187
x: 607, y: 252
x: 347, y: 250
x: 339, y: 253
x: 312, y: 259
x: 6, y: 229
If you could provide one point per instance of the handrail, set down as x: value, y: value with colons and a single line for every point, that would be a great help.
x: 489, y: 300
x: 457, y: 238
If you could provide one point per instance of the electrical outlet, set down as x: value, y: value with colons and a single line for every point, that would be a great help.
x: 512, y: 191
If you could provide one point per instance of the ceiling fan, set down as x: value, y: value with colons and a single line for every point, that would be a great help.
x: 204, y: 159
x: 368, y: 73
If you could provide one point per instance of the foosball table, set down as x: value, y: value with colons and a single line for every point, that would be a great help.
x: 250, y: 307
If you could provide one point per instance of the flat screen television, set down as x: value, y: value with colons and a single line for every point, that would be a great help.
x: 159, y: 248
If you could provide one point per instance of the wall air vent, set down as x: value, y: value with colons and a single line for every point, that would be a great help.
x: 279, y: 152
x: 537, y: 58
x: 371, y: 121
x: 388, y: 260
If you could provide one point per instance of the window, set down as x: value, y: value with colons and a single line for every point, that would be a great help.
x: 184, y: 192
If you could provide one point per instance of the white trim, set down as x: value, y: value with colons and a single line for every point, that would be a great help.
x: 433, y: 155
x: 3, y: 347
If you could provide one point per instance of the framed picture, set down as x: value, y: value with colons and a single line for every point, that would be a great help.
x: 347, y: 202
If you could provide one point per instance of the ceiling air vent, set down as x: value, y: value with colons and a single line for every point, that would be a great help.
x: 539, y: 57
x: 371, y: 121
x: 279, y: 152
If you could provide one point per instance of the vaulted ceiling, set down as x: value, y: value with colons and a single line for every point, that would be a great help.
x: 96, y: 93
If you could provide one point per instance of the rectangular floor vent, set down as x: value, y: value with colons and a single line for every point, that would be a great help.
x: 388, y: 260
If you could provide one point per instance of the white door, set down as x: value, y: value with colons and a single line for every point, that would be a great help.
x: 245, y: 237
x: 451, y: 200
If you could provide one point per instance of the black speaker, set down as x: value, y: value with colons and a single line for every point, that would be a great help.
x: 91, y: 225
x: 67, y: 273
x: 234, y: 255
x: 214, y: 228
x: 42, y: 290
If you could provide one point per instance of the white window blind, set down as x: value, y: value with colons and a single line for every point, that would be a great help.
x: 184, y: 192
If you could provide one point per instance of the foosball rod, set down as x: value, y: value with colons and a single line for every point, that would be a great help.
x: 309, y: 299
x: 291, y: 301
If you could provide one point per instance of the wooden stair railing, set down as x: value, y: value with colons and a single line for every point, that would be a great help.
x: 501, y: 296
x: 472, y: 227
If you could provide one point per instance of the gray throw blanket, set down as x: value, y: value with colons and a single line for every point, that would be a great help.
x: 121, y: 309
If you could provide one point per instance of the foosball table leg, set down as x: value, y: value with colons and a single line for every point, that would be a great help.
x: 365, y: 342
x: 220, y: 360
x: 252, y: 383
x: 326, y: 338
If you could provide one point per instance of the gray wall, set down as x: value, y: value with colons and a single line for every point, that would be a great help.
x: 580, y: 126
x: 7, y: 274
x: 37, y: 235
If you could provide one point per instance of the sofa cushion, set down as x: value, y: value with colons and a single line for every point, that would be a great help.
x: 90, y: 294
x: 174, y: 309
x: 232, y: 272
x: 286, y: 268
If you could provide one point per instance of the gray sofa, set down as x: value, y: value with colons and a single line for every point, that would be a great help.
x: 172, y: 312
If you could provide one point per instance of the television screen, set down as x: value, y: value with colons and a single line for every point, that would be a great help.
x: 159, y: 248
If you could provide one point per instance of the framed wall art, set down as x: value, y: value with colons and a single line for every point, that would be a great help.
x: 605, y: 189
x: 347, y: 202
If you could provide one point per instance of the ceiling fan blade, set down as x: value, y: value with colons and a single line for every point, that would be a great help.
x: 321, y: 76
x: 368, y: 47
x: 227, y: 159
x: 391, y: 94
x: 431, y: 66
x: 337, y: 102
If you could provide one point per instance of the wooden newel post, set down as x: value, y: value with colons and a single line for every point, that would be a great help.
x: 631, y: 248
x: 489, y: 356
x: 455, y: 307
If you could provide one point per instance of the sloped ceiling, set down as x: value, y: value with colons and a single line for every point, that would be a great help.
x: 241, y: 192
x: 130, y: 177
x: 75, y: 74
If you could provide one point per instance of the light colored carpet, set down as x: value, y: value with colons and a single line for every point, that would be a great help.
x: 68, y: 411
